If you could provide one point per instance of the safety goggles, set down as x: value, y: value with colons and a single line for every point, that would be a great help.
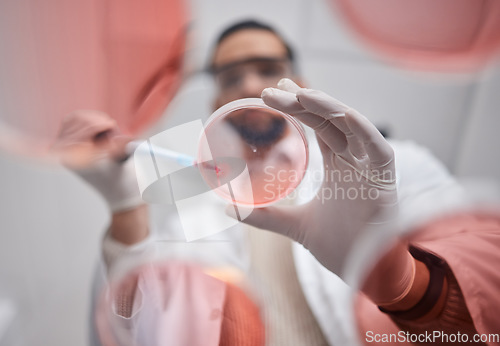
x: 268, y: 71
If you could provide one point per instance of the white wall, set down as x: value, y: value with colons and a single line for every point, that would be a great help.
x: 51, y: 222
x: 50, y: 229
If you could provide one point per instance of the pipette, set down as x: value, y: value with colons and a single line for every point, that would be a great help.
x: 154, y: 150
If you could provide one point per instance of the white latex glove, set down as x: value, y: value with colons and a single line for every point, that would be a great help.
x: 90, y: 145
x: 357, y: 160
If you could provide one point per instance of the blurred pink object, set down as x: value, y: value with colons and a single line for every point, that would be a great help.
x: 171, y: 304
x: 176, y: 303
x: 444, y: 35
x: 469, y: 243
x: 121, y: 58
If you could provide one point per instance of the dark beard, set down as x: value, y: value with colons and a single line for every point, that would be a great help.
x: 261, y: 138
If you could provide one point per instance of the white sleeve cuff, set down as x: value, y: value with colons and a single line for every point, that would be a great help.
x: 119, y: 258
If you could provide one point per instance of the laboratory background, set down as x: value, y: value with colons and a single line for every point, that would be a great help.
x: 52, y: 223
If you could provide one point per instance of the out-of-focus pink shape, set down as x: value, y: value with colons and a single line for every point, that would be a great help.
x: 123, y: 58
x: 164, y: 303
x: 177, y: 303
x: 444, y: 35
x: 469, y: 243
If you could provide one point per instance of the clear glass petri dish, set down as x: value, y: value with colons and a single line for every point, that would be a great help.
x: 251, y: 154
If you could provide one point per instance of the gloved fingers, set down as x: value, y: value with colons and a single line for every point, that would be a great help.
x: 80, y: 155
x: 287, y: 84
x: 329, y: 108
x: 87, y: 136
x: 117, y: 147
x: 326, y: 152
x: 380, y: 153
x: 356, y: 147
x: 331, y: 136
x: 287, y: 102
x: 83, y: 125
x: 332, y: 110
x: 282, y: 220
x: 283, y: 100
x: 354, y: 144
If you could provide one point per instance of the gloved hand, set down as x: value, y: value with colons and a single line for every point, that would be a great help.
x: 89, y: 144
x: 359, y: 186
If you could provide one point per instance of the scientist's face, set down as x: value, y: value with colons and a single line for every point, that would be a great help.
x: 245, y: 63
x: 248, y: 61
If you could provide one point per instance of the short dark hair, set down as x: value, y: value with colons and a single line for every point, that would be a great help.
x: 250, y: 24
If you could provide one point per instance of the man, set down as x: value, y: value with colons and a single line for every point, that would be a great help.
x: 248, y: 58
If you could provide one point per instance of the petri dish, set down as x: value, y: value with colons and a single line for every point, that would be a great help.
x: 251, y: 154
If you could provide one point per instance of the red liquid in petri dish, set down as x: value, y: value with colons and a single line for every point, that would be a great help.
x: 251, y: 154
